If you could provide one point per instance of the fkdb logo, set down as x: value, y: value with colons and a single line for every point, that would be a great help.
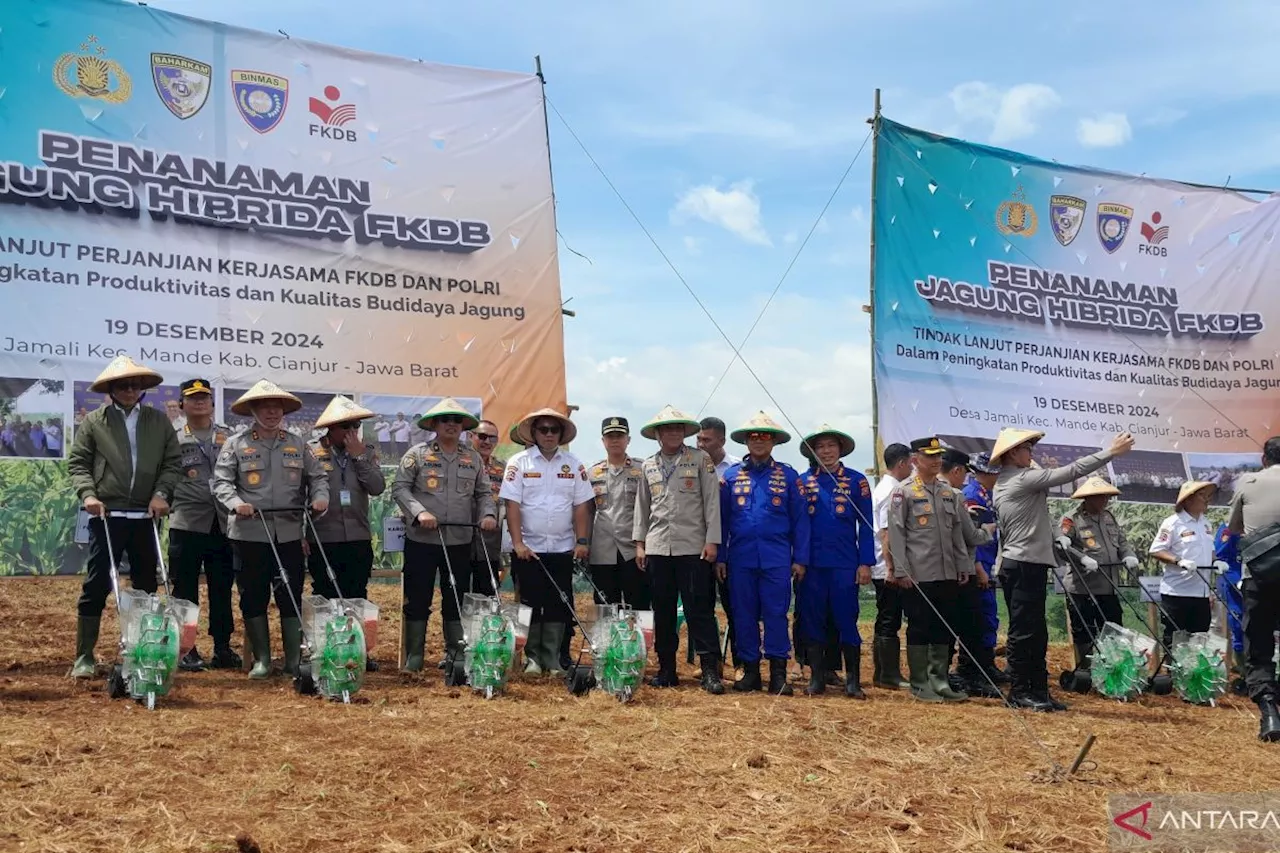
x: 1153, y: 234
x: 333, y: 115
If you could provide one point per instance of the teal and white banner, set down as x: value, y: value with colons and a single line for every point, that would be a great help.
x: 1011, y: 291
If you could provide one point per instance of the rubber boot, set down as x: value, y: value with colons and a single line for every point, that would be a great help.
x: 1269, y: 720
x: 453, y: 638
x: 711, y: 675
x: 918, y: 667
x: 750, y: 678
x: 85, y: 665
x: 891, y: 663
x: 778, y: 685
x: 877, y: 660
x: 413, y: 636
x: 817, y: 656
x: 939, y: 654
x: 666, y: 676
x: 552, y: 643
x: 853, y: 672
x: 291, y: 635
x: 533, y: 650
x: 192, y: 661
x: 259, y: 632
x: 224, y: 657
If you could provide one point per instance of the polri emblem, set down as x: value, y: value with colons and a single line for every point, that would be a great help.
x: 1113, y: 224
x: 261, y: 98
x: 90, y: 74
x: 1066, y: 215
x: 1015, y: 216
x: 182, y: 84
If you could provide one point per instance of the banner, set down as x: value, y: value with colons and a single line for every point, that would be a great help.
x: 1011, y: 291
x: 236, y: 205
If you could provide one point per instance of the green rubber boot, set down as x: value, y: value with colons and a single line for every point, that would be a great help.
x: 413, y: 635
x: 86, y: 639
x: 918, y: 667
x: 259, y: 631
x: 291, y: 634
x: 939, y: 658
x: 552, y: 639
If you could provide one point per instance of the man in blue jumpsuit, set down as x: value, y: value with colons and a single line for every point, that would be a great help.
x: 977, y: 499
x: 841, y: 553
x: 1224, y: 551
x: 765, y: 541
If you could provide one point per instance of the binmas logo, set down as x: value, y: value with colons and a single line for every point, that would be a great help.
x: 333, y: 115
x: 1153, y: 234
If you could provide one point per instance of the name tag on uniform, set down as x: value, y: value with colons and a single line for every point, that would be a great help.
x: 344, y: 497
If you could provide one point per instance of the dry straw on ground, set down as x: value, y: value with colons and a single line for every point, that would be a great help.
x: 227, y: 764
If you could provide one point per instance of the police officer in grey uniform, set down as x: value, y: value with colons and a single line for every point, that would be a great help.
x: 931, y: 558
x: 266, y: 467
x: 1255, y: 514
x: 354, y: 477
x: 1096, y: 548
x: 440, y: 481
x: 615, y: 480
x: 1026, y: 553
x: 677, y: 535
x: 197, y: 526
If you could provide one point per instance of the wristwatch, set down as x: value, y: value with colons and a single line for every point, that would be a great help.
x: 582, y: 540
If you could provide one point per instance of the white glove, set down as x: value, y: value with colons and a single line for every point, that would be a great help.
x: 1131, y: 562
x: 1220, y: 567
x: 1090, y: 564
x: 1187, y: 565
x: 1064, y: 542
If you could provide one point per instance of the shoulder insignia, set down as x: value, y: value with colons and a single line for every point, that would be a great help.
x: 1067, y: 524
x: 866, y: 488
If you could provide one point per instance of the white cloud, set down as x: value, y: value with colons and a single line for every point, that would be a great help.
x: 1013, y: 113
x: 737, y: 210
x: 1106, y: 131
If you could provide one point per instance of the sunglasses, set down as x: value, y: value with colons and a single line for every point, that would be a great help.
x: 351, y: 426
x: 127, y: 384
x: 485, y: 436
x: 548, y: 430
x: 450, y: 419
x: 759, y: 436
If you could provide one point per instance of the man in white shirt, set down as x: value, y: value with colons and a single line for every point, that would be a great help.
x: 53, y: 439
x: 548, y: 500
x: 400, y: 429
x: 887, y: 650
x: 1185, y: 545
x: 385, y: 446
x: 711, y: 439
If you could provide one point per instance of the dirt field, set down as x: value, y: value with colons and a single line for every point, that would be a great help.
x: 229, y: 764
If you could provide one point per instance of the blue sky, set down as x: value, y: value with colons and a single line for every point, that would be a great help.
x: 726, y: 126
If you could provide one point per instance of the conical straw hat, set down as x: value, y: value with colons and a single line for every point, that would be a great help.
x: 524, y: 429
x: 514, y: 435
x: 670, y: 416
x: 1189, y: 488
x: 826, y: 430
x: 123, y: 367
x: 1009, y: 438
x: 761, y: 423
x: 1094, y: 486
x: 342, y: 410
x: 265, y: 390
x: 448, y: 406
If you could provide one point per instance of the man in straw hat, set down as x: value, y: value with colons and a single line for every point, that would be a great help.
x: 125, y: 457
x: 441, y: 481
x: 548, y: 501
x: 197, y: 525
x: 841, y: 554
x: 266, y: 467
x: 615, y: 481
x: 1184, y: 544
x: 1095, y: 543
x: 677, y: 532
x: 930, y: 560
x: 354, y: 477
x: 1026, y: 553
x: 765, y: 523
x: 1255, y: 515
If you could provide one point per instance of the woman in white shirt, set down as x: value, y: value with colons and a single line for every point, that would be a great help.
x: 1184, y: 544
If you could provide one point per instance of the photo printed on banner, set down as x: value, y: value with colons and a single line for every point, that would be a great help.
x: 394, y: 427
x: 1223, y: 470
x: 33, y: 418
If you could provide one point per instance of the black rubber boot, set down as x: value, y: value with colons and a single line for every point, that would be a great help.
x: 1269, y: 720
x: 291, y: 636
x: 778, y: 685
x: 711, y: 675
x: 750, y: 678
x: 224, y: 657
x: 853, y: 672
x: 192, y: 661
x: 817, y: 656
x: 877, y: 661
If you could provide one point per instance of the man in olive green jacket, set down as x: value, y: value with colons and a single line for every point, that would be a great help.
x: 125, y: 457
